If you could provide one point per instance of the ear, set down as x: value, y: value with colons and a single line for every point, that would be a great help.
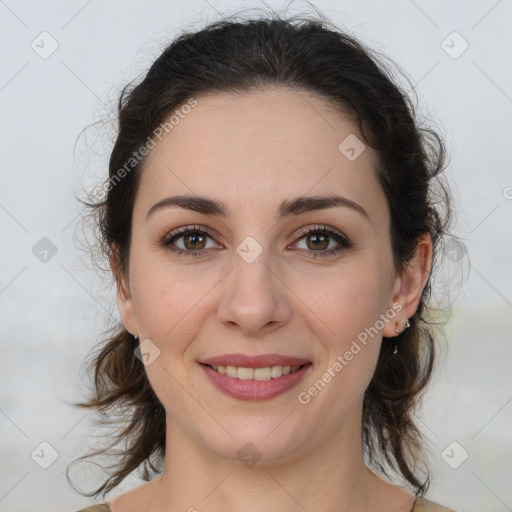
x: 124, y: 297
x: 409, y: 286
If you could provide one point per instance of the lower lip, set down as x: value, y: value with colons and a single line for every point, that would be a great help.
x: 255, y: 389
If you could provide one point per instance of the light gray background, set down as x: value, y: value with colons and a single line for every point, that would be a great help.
x: 51, y: 313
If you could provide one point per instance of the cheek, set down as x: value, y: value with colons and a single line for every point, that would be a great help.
x: 168, y: 301
x: 169, y: 310
x: 348, y: 303
x: 351, y: 346
x: 350, y: 310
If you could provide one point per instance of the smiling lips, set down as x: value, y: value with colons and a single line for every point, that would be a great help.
x: 254, y: 377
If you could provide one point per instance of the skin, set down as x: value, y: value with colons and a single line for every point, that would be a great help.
x: 252, y: 151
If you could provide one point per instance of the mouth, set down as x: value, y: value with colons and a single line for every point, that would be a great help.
x: 260, y: 381
x: 261, y: 374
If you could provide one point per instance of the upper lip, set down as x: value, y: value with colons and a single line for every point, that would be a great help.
x: 259, y: 361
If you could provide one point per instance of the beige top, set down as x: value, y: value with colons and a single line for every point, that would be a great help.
x: 424, y: 505
x: 420, y: 505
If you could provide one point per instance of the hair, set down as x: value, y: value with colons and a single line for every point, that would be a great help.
x: 304, y: 53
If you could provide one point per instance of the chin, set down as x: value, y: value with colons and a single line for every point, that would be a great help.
x: 258, y: 440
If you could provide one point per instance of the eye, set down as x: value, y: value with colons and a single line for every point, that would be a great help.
x: 193, y: 240
x: 318, y: 238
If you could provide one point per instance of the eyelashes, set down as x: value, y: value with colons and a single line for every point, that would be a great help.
x: 188, y: 232
x: 195, y: 236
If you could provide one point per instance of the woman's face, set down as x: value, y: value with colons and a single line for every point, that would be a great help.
x: 251, y: 285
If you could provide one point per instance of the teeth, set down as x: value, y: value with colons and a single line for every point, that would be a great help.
x: 266, y: 373
x: 245, y: 373
x: 276, y: 371
x: 261, y: 373
x: 232, y: 371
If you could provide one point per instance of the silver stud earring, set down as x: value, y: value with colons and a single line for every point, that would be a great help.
x: 407, y: 324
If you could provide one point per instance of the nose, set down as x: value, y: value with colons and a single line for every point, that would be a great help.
x: 254, y: 297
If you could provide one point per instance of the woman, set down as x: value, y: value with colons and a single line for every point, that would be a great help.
x: 269, y: 220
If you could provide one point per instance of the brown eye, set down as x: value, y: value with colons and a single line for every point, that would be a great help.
x: 194, y: 241
x: 187, y: 241
x: 318, y: 239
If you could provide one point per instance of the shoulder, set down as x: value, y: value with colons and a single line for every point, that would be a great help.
x: 424, y: 505
x: 103, y: 507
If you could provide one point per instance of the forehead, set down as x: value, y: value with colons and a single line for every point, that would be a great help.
x: 261, y: 147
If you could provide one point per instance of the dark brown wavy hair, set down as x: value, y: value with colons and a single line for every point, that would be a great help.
x: 305, y: 53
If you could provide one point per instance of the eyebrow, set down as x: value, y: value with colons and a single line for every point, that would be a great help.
x: 297, y: 206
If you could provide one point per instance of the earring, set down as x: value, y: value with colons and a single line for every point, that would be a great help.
x: 407, y: 324
x: 136, y: 336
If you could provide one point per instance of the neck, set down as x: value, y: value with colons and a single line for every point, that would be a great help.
x: 330, y: 477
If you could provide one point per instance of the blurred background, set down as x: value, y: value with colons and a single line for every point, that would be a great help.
x: 63, y: 64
